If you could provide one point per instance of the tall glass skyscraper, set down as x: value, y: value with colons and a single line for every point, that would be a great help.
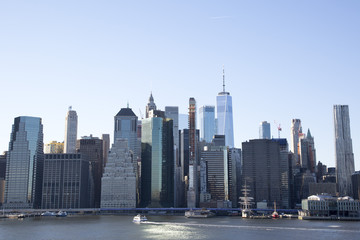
x: 207, y: 123
x: 225, y: 116
x: 264, y: 130
x: 296, y: 131
x: 71, y: 122
x: 24, y: 165
x: 344, y: 155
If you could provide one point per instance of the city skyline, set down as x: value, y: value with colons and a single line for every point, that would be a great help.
x: 283, y: 61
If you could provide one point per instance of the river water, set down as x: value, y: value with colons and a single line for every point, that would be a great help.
x: 174, y: 227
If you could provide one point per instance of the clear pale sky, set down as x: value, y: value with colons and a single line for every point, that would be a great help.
x: 283, y: 60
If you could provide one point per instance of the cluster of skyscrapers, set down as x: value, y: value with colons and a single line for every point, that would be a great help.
x: 153, y: 162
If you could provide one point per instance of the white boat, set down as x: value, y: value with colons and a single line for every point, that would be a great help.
x: 139, y: 218
x: 203, y: 213
x: 48, y: 214
x: 61, y: 214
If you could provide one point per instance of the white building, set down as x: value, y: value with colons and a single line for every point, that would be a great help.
x: 71, y: 123
x: 118, y: 184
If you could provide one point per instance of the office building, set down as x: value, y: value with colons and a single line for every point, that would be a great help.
x: 2, y: 177
x: 91, y: 148
x: 150, y: 106
x: 24, y: 166
x: 71, y: 126
x: 355, y: 179
x: 307, y: 152
x: 344, y: 156
x: 224, y: 116
x: 65, y: 181
x: 193, y: 179
x: 207, y: 123
x: 119, y: 180
x: 264, y: 130
x: 126, y: 123
x: 157, y: 162
x: 262, y: 170
x: 106, y: 147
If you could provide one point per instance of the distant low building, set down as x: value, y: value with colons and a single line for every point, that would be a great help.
x: 325, y: 205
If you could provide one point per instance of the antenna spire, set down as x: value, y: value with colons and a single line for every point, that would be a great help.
x: 223, y: 78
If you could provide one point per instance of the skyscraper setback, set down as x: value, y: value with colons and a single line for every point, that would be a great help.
x: 225, y: 115
x: 71, y: 122
x: 344, y: 156
x: 24, y: 167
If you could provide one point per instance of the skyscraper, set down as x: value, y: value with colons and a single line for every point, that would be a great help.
x: 71, y: 122
x: 344, y: 155
x: 126, y: 128
x: 157, y: 166
x: 264, y: 130
x: 296, y: 131
x: 207, y: 123
x: 119, y: 180
x: 150, y: 106
x: 24, y: 165
x: 225, y: 116
x: 192, y: 190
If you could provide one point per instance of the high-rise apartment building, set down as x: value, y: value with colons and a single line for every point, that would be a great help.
x: 344, y: 155
x: 192, y: 188
x: 119, y: 180
x: 296, y: 131
x: 71, y: 126
x: 264, y: 130
x: 65, y: 181
x: 225, y: 116
x: 207, y: 123
x: 24, y: 166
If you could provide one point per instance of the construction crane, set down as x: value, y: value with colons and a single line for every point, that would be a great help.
x: 278, y: 128
x: 141, y: 115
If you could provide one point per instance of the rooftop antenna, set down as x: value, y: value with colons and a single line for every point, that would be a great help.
x: 223, y: 78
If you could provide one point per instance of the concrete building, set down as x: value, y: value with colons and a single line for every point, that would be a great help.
x: 24, y: 165
x: 65, y: 181
x: 71, y: 127
x: 344, y: 156
x: 207, y: 123
x: 54, y: 147
x: 264, y: 130
x: 192, y: 191
x: 119, y: 180
x: 296, y: 132
x: 224, y: 116
x: 91, y: 148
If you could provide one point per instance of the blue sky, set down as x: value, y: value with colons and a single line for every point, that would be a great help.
x: 283, y: 60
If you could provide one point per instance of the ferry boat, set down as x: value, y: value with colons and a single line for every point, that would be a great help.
x: 203, y: 213
x: 48, y: 214
x: 139, y: 218
x: 61, y: 214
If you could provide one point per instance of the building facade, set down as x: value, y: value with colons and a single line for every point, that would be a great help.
x: 54, y: 147
x: 264, y: 130
x: 157, y: 161
x: 71, y: 126
x: 24, y: 166
x: 296, y: 131
x: 344, y: 156
x: 119, y: 180
x: 65, y: 181
x: 207, y: 123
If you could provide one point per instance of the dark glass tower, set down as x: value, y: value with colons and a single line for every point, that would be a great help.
x: 24, y: 165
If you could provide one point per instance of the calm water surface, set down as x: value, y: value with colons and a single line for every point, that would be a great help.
x: 174, y: 227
